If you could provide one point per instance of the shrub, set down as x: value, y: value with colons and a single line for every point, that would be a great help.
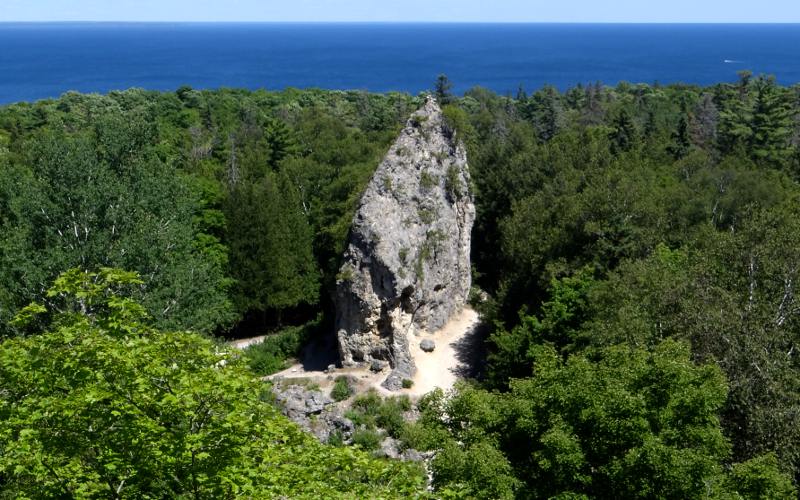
x: 390, y: 417
x: 403, y: 254
x: 452, y: 183
x: 408, y: 383
x: 341, y: 389
x: 418, y: 120
x: 367, y: 439
x: 456, y: 120
x: 421, y: 437
x: 346, y: 274
x: 273, y: 354
x: 368, y: 404
x: 336, y: 438
x: 360, y: 419
x: 370, y: 411
x: 427, y: 215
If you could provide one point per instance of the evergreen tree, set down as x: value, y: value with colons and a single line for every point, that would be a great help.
x: 772, y: 124
x: 624, y: 135
x: 443, y: 90
x: 593, y: 113
x: 736, y: 115
x: 280, y: 140
x: 270, y: 243
x: 546, y: 112
x: 681, y: 142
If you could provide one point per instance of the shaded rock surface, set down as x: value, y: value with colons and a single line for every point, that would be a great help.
x: 406, y: 267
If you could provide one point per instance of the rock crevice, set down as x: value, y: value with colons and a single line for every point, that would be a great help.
x: 406, y: 268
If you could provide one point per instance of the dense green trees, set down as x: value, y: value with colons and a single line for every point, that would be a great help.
x: 651, y: 213
x: 271, y: 246
x: 96, y: 403
x: 103, y: 198
x: 638, y: 245
x: 229, y: 204
x: 621, y: 423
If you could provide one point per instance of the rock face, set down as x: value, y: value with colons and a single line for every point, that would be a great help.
x: 313, y: 411
x: 407, y: 265
x: 298, y: 402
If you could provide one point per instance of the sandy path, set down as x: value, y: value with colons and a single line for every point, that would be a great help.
x: 446, y: 364
x: 455, y: 346
x: 244, y: 343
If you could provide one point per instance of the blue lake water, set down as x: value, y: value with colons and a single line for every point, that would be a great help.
x: 45, y: 60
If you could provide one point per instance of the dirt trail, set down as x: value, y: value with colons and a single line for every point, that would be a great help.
x: 245, y: 343
x: 451, y: 358
x: 456, y: 347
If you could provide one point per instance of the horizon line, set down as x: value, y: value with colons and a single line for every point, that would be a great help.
x: 787, y: 23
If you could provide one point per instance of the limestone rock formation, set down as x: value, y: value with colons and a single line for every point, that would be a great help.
x: 407, y: 265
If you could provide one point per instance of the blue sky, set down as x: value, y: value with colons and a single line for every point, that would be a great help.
x: 405, y: 10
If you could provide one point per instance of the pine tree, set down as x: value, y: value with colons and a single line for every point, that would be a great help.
x: 443, y: 90
x: 281, y: 141
x: 547, y: 113
x: 624, y: 135
x: 270, y: 243
x: 772, y: 123
x: 593, y: 113
x: 681, y: 142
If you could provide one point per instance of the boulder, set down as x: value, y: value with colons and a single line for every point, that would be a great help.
x: 427, y: 345
x: 298, y: 402
x: 377, y: 365
x: 406, y: 266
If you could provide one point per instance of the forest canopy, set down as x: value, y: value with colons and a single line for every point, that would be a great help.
x: 638, y: 246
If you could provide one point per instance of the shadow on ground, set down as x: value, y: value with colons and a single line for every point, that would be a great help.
x: 320, y: 353
x: 471, y: 352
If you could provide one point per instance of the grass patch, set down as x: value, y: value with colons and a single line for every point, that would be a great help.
x: 428, y: 181
x: 427, y: 215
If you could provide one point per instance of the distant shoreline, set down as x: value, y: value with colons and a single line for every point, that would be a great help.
x: 412, y: 23
x: 44, y: 60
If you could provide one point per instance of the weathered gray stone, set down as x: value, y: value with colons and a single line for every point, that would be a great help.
x: 313, y: 411
x: 298, y: 402
x: 406, y: 268
x: 411, y: 455
x: 389, y: 449
x: 427, y: 345
x: 377, y: 365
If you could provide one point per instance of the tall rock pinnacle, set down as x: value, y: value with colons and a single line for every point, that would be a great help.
x: 407, y: 265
